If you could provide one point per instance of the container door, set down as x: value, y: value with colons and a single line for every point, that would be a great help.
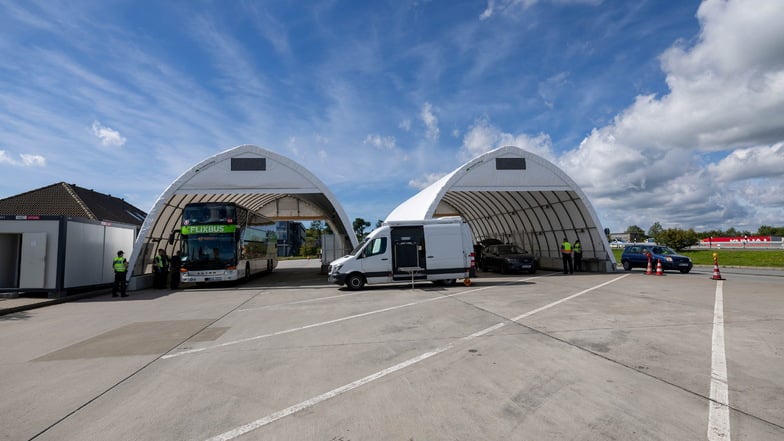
x: 32, y: 266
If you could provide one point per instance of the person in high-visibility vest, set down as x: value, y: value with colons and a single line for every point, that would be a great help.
x: 577, y: 250
x: 566, y: 255
x: 120, y: 266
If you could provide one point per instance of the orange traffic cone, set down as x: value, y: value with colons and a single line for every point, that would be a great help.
x: 659, y: 270
x: 649, y: 271
x: 716, y: 272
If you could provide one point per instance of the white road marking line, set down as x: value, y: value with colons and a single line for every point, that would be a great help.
x: 298, y: 302
x: 315, y: 325
x: 522, y: 316
x: 241, y: 430
x: 719, y: 411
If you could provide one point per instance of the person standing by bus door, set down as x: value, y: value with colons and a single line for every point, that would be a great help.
x: 176, y: 263
x: 161, y: 268
x: 577, y: 249
x: 120, y: 266
x: 566, y: 255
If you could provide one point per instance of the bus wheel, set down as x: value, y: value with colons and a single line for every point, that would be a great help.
x: 355, y: 282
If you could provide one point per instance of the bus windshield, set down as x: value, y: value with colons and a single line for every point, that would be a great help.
x: 212, y: 248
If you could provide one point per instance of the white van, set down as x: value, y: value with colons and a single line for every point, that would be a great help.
x: 439, y: 250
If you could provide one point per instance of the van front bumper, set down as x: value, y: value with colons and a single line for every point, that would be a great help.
x: 338, y: 278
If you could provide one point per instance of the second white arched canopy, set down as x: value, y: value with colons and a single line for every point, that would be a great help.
x: 515, y: 196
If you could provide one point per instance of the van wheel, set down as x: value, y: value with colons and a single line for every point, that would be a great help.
x: 355, y: 282
x: 627, y: 265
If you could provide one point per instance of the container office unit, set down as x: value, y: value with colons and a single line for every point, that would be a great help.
x: 56, y: 254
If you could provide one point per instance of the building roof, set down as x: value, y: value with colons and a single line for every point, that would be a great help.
x: 62, y: 199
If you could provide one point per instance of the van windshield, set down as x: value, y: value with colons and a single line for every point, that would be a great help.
x: 357, y: 248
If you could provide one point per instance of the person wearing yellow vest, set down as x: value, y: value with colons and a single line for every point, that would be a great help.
x: 577, y: 250
x: 566, y: 255
x: 120, y: 266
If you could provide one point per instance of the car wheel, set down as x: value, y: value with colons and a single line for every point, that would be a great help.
x: 685, y: 271
x: 627, y: 265
x: 532, y: 270
x: 355, y: 282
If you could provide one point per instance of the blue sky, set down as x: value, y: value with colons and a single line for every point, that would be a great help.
x: 662, y: 111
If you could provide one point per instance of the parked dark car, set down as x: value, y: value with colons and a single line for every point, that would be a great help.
x: 636, y: 256
x: 507, y: 258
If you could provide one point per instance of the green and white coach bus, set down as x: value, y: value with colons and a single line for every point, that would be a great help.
x: 225, y: 242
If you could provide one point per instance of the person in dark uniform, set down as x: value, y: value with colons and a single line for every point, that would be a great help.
x: 120, y: 266
x: 175, y: 264
x: 161, y: 268
x: 577, y: 250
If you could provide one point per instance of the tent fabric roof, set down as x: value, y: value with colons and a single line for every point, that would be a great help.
x: 250, y: 176
x: 515, y: 196
x: 62, y: 199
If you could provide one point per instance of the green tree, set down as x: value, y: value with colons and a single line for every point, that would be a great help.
x: 312, y: 243
x: 636, y: 234
x: 655, y: 230
x: 677, y: 238
x: 359, y: 226
x: 765, y: 230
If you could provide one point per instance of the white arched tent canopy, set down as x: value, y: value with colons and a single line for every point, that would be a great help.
x: 247, y: 175
x: 518, y: 197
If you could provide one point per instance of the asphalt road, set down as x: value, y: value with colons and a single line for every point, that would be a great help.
x: 620, y: 356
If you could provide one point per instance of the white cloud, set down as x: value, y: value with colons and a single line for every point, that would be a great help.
x: 381, y: 142
x: 488, y: 12
x: 750, y: 163
x: 33, y: 160
x: 548, y: 88
x: 726, y: 95
x: 431, y: 122
x: 423, y: 182
x: 26, y: 160
x: 108, y: 136
x: 511, y: 7
x: 483, y: 137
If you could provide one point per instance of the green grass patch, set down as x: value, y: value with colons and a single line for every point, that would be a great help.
x: 761, y: 258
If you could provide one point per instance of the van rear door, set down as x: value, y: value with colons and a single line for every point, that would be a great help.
x: 445, y: 249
